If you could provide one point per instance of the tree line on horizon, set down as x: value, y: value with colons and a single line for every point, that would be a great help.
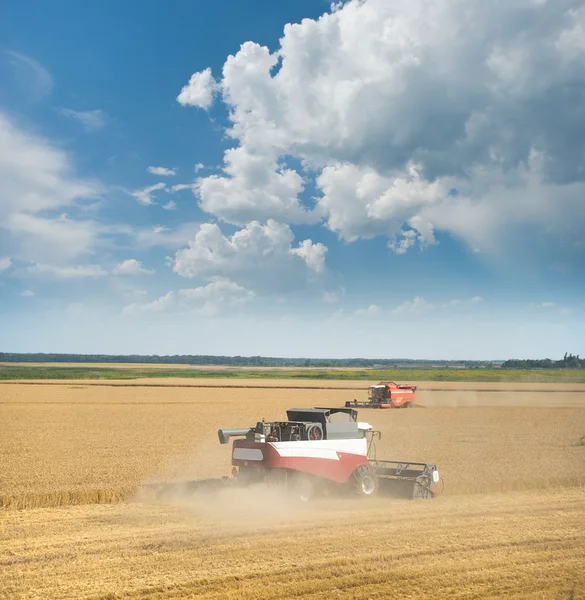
x: 236, y: 361
x: 569, y: 361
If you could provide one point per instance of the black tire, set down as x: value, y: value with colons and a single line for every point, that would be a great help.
x: 365, y: 481
x: 408, y: 405
x: 301, y: 488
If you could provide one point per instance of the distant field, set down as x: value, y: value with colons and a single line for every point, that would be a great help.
x: 11, y: 371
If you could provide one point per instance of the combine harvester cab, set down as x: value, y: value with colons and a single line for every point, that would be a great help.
x: 388, y: 394
x: 319, y: 450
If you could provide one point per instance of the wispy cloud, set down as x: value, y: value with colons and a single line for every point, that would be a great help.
x: 136, y: 293
x: 170, y: 205
x: 159, y: 305
x: 183, y: 186
x: 27, y: 293
x: 551, y: 308
x: 5, y: 262
x: 330, y: 297
x: 40, y: 82
x: 371, y: 311
x: 162, y: 171
x: 67, y: 272
x: 92, y: 120
x: 144, y: 196
x: 37, y: 180
x: 416, y: 306
x: 419, y: 305
x: 164, y: 237
x: 456, y: 302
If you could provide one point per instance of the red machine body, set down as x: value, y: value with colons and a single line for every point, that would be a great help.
x: 334, y: 460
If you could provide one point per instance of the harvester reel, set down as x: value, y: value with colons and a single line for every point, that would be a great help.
x: 365, y: 481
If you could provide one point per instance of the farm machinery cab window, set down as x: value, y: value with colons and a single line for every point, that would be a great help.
x: 378, y: 393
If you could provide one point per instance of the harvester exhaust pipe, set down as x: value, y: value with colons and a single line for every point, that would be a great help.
x: 225, y: 434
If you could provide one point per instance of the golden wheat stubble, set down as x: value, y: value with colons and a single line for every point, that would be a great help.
x: 71, y: 444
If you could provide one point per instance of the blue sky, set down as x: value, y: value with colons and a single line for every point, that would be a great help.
x: 372, y: 179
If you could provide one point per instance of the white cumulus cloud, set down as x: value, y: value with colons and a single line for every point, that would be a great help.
x: 312, y: 254
x: 254, y: 187
x: 257, y: 255
x: 199, y: 91
x: 214, y: 296
x: 412, y: 121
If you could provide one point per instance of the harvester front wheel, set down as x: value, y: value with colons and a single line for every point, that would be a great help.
x: 365, y: 481
x: 301, y: 488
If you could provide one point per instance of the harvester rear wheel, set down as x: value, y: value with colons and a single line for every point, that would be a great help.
x: 365, y: 481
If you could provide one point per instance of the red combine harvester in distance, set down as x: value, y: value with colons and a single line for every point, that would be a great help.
x: 387, y: 394
x: 316, y: 451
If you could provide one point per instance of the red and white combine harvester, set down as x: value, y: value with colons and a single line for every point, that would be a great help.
x: 322, y: 450
x: 388, y: 394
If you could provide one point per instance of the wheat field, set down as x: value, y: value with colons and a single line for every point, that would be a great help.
x: 514, y: 545
x: 77, y: 519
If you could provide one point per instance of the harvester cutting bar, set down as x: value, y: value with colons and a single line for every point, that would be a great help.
x: 402, y: 470
x: 356, y: 404
x: 406, y: 479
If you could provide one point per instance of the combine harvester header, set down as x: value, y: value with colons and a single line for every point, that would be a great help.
x: 388, y: 394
